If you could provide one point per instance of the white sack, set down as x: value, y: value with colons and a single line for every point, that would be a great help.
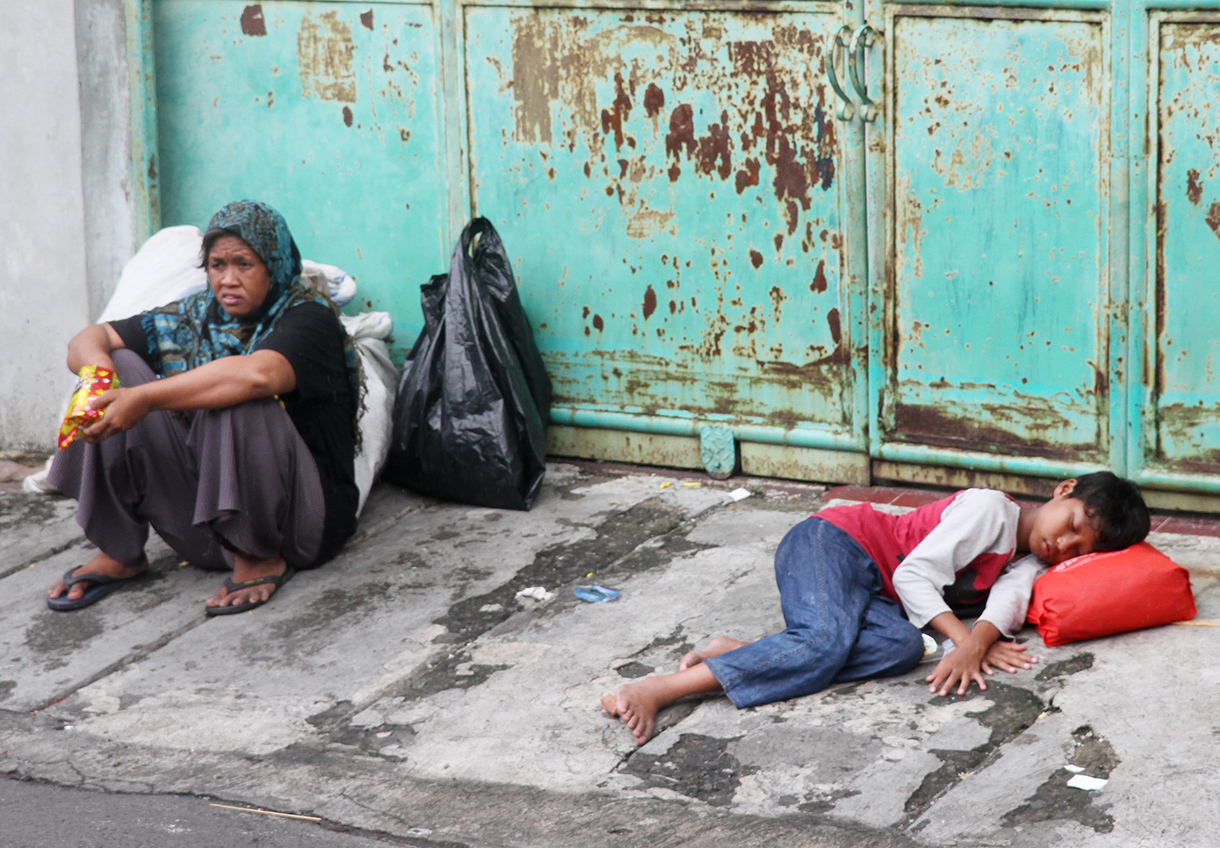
x: 369, y: 330
x: 329, y: 280
x: 165, y: 269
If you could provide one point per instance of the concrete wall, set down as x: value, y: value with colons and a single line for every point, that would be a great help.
x: 101, y: 49
x: 65, y: 224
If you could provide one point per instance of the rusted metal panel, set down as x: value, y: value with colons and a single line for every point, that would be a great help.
x: 996, y: 297
x: 811, y: 464
x: 328, y: 111
x: 668, y: 184
x: 1184, y: 376
x: 623, y: 446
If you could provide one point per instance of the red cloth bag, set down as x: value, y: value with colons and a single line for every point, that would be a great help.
x: 1105, y: 593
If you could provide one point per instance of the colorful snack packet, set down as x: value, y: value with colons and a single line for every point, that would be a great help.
x: 93, y: 381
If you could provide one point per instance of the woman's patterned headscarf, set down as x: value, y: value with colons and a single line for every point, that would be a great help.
x: 197, y: 329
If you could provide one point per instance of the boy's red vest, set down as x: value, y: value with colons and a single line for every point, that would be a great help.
x: 888, y: 539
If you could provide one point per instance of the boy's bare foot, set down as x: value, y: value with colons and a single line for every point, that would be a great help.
x: 248, y: 568
x: 101, y: 564
x: 637, y: 705
x: 719, y: 645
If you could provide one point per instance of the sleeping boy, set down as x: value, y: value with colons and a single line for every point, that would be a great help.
x: 856, y: 585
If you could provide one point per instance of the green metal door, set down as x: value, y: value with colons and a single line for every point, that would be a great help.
x: 331, y: 112
x: 1176, y: 251
x: 670, y: 184
x: 996, y: 307
x: 1042, y: 238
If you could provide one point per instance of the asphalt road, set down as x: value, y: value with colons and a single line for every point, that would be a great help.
x: 40, y: 815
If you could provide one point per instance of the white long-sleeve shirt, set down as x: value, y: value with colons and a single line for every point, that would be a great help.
x: 967, y: 541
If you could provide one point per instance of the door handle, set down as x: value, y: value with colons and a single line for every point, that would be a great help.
x: 863, y: 38
x: 847, y: 109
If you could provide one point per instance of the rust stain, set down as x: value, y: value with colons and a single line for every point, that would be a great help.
x: 1194, y: 188
x: 833, y: 320
x: 791, y: 176
x: 756, y: 258
x: 934, y: 426
x: 645, y: 223
x: 325, y: 52
x: 1185, y: 424
x: 347, y: 115
x: 152, y: 167
x: 654, y: 100
x: 777, y: 300
x: 716, y: 147
x: 612, y: 118
x: 748, y: 176
x: 252, y: 21
x: 1213, y: 218
x: 560, y: 64
x: 650, y: 303
x: 1101, y: 382
x: 819, y: 283
x: 681, y: 136
x: 535, y: 79
x: 366, y: 19
x: 598, y: 323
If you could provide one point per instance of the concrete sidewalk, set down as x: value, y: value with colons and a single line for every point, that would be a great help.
x: 404, y: 689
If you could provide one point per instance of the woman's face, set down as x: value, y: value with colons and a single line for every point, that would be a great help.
x: 239, y: 278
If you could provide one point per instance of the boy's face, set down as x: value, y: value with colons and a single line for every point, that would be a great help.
x: 1062, y: 529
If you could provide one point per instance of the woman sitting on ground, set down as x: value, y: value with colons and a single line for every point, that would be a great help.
x: 232, y: 433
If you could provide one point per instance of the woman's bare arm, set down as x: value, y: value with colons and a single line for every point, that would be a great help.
x: 93, y: 346
x: 223, y: 382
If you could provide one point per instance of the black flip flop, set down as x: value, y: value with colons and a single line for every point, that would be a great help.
x: 103, y: 585
x: 276, y: 580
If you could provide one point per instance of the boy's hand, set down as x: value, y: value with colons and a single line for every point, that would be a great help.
x: 969, y: 662
x: 964, y: 664
x: 1007, y: 656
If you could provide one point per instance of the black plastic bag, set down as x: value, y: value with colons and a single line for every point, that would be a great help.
x: 473, y: 400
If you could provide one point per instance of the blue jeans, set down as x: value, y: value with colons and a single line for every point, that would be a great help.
x: 839, y: 627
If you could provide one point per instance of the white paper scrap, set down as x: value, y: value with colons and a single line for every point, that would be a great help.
x: 1074, y: 769
x: 1083, y: 781
x: 739, y: 494
x: 535, y: 593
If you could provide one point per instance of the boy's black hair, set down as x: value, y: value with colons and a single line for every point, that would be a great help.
x: 1116, y: 508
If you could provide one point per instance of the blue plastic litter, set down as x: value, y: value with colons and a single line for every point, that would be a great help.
x: 597, y: 594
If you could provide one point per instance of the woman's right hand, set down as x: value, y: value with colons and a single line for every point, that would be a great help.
x: 122, y: 410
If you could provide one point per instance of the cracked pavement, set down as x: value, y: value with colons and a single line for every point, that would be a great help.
x: 403, y: 689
